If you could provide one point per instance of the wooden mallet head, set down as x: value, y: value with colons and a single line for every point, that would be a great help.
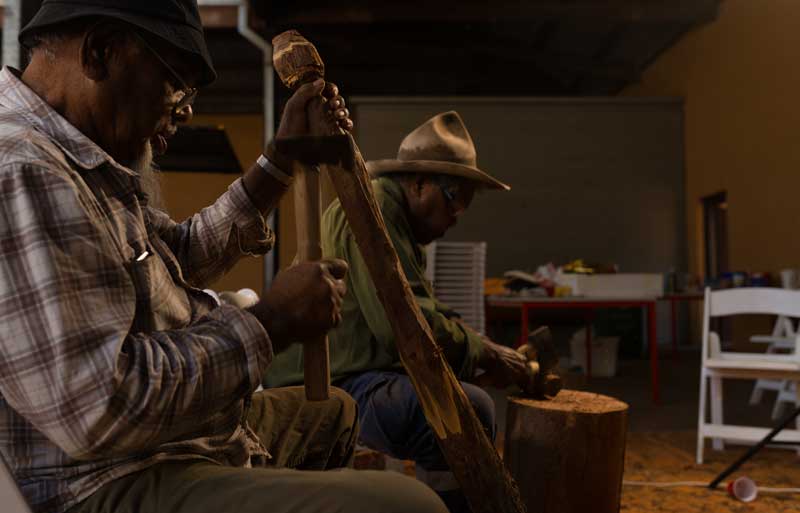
x: 295, y: 59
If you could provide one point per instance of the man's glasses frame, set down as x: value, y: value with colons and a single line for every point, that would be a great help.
x: 189, y: 93
x: 450, y: 198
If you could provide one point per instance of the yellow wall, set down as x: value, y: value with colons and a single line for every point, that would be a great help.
x: 740, y: 77
x: 186, y: 193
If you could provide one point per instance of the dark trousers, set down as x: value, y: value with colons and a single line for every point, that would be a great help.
x: 393, y: 423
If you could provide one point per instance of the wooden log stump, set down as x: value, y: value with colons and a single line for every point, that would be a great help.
x: 567, y: 454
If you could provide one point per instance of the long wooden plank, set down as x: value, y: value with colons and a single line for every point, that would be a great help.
x: 472, y: 458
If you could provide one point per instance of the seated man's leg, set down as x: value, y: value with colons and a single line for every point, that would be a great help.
x: 392, y: 421
x: 204, y: 487
x: 305, y: 435
x: 309, y: 435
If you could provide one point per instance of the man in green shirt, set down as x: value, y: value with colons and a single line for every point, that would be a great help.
x: 421, y: 195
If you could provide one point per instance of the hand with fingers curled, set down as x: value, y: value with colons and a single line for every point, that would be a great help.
x: 316, y: 108
x: 504, y: 366
x: 303, y: 303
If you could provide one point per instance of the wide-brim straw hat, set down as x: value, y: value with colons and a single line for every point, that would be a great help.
x: 441, y: 145
x: 175, y: 21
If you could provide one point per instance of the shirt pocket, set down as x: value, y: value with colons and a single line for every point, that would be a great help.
x: 161, y: 304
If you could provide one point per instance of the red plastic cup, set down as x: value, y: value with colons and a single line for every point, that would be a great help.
x: 743, y: 488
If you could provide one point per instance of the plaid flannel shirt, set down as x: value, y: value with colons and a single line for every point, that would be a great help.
x: 111, y: 358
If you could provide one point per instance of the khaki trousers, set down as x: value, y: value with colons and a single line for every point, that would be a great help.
x: 304, y: 439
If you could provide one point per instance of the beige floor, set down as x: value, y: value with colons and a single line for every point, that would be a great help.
x: 669, y: 456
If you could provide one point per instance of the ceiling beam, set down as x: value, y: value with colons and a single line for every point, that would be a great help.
x: 363, y: 11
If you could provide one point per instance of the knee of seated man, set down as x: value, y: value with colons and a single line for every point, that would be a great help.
x: 390, y: 492
x: 483, y: 404
x: 343, y: 405
x: 340, y: 409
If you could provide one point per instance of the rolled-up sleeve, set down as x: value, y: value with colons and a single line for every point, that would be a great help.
x: 68, y: 362
x: 210, y: 242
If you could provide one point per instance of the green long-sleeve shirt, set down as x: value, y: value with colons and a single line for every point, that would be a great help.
x: 364, y: 340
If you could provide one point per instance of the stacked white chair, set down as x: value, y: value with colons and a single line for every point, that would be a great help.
x: 718, y: 364
x: 457, y: 271
x: 780, y: 341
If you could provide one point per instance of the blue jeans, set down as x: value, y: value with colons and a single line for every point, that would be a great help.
x: 392, y: 420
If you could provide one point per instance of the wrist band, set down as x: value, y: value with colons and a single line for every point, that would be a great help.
x: 273, y: 170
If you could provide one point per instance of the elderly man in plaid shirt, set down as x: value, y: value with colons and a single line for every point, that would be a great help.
x: 123, y: 387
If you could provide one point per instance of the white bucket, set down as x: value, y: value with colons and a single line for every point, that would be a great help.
x: 604, y: 354
x: 789, y: 278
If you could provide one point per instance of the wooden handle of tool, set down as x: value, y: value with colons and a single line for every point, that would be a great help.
x: 316, y: 365
x: 297, y: 62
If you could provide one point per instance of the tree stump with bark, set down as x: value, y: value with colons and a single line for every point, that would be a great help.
x: 567, y: 454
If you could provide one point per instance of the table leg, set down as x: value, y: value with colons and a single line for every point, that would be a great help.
x: 674, y: 318
x: 588, y: 345
x: 523, y: 335
x: 653, y: 336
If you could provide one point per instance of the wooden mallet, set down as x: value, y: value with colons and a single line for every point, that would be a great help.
x: 316, y: 365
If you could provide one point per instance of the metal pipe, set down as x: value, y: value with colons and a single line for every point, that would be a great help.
x: 11, y: 26
x: 270, y: 267
x: 754, y: 449
x: 243, y: 27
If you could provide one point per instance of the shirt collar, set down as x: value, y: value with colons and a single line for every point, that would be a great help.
x: 392, y: 190
x: 394, y: 198
x: 18, y: 97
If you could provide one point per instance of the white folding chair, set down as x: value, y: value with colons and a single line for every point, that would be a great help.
x: 718, y: 364
x: 780, y: 341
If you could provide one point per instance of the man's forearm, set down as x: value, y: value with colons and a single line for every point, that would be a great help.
x: 268, y: 179
x: 263, y: 189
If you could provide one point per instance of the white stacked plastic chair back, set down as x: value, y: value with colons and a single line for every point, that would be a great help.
x: 718, y: 364
x: 457, y: 271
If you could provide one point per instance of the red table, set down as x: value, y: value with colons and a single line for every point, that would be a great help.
x: 589, y: 303
x: 674, y: 299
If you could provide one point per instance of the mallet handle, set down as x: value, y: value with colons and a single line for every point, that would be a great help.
x: 316, y: 365
x: 290, y: 49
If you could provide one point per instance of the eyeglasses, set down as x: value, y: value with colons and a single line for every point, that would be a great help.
x: 450, y: 199
x: 448, y: 194
x: 189, y: 93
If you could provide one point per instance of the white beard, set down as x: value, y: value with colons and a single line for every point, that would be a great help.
x: 150, y: 177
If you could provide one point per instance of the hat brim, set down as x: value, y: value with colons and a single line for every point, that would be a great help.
x: 182, y: 36
x: 439, y: 167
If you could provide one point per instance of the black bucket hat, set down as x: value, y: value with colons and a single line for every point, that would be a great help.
x: 175, y: 21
